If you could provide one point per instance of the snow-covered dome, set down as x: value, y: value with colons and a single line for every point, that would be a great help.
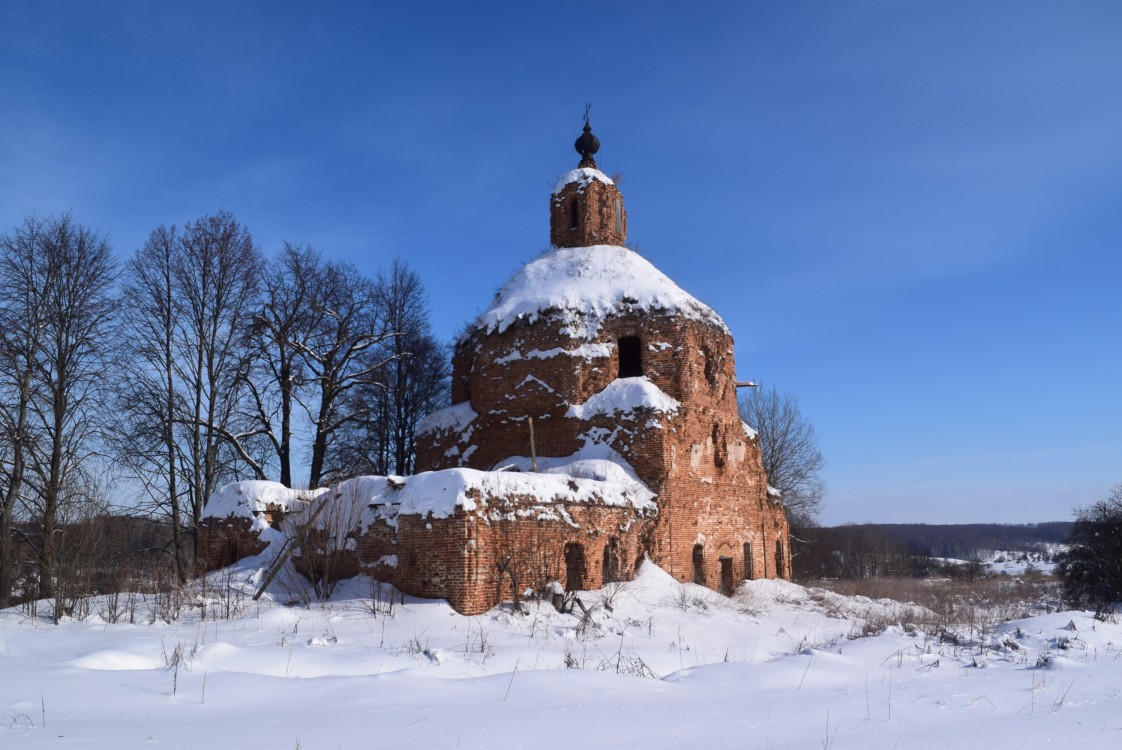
x: 581, y: 176
x: 583, y: 286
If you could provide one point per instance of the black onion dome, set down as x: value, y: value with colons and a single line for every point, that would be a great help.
x: 587, y: 146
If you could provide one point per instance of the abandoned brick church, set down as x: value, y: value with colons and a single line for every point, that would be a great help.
x: 593, y: 422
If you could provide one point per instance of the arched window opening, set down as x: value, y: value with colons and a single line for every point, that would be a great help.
x: 749, y: 562
x: 574, y: 567
x: 630, y: 357
x: 610, y: 569
x: 699, y: 564
x: 725, y: 564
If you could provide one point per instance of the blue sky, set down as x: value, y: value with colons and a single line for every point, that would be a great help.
x: 907, y: 212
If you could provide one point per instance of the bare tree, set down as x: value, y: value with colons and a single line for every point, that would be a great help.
x: 279, y: 328
x: 149, y: 401
x: 417, y: 385
x: 23, y: 316
x: 789, y: 447
x: 216, y: 275
x: 342, y: 353
x: 75, y: 286
x: 416, y: 372
x: 412, y: 382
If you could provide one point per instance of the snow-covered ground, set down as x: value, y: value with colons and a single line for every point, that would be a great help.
x: 667, y: 666
x: 1017, y: 563
x: 1013, y: 562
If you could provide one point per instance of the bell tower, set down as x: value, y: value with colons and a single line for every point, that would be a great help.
x: 586, y: 207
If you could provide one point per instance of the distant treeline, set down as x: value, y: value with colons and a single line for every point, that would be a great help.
x: 872, y: 550
x: 963, y: 541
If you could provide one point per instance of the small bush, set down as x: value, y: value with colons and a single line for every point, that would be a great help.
x: 1092, y: 566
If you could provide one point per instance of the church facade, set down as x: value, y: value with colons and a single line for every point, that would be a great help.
x: 593, y: 423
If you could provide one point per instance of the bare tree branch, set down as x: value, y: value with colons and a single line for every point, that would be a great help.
x: 789, y: 447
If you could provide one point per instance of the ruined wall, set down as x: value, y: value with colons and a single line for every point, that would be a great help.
x: 587, y: 214
x: 538, y: 371
x: 472, y: 558
x: 704, y: 467
x: 706, y: 470
x: 715, y: 492
x: 223, y: 541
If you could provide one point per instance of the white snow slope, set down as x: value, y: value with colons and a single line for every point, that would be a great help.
x: 582, y: 286
x: 668, y: 666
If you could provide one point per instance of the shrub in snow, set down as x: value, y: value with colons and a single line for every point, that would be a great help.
x: 1092, y: 566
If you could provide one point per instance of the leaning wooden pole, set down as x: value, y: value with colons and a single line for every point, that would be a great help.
x: 533, y: 450
x: 288, y: 549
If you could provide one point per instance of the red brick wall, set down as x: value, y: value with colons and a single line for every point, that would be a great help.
x: 223, y: 541
x: 464, y: 558
x: 706, y: 471
x: 595, y: 205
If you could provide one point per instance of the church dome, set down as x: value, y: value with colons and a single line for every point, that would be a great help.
x: 581, y: 287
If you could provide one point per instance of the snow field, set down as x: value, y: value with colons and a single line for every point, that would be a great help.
x: 658, y: 665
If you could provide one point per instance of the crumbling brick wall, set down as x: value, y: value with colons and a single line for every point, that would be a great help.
x: 582, y: 215
x: 223, y: 541
x: 715, y: 521
x: 473, y: 558
x: 705, y: 469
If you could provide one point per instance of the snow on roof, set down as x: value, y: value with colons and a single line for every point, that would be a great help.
x: 625, y: 395
x: 594, y: 460
x: 440, y: 493
x: 581, y: 176
x: 582, y: 286
x: 248, y: 498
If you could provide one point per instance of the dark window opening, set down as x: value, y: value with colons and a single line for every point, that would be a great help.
x: 749, y: 562
x: 719, y: 448
x: 574, y: 567
x: 574, y: 214
x: 726, y: 575
x: 710, y: 367
x: 610, y: 568
x: 779, y: 566
x: 699, y: 564
x: 275, y: 518
x: 630, y: 357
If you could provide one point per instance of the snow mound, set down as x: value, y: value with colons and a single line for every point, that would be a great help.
x: 455, y: 418
x: 247, y: 499
x: 623, y: 396
x: 582, y: 177
x: 583, y: 286
x: 438, y: 494
x: 594, y: 461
